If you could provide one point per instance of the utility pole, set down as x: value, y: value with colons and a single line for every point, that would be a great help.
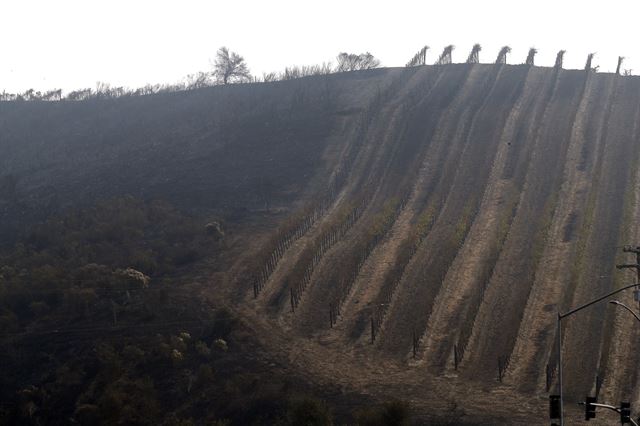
x: 636, y: 266
x: 561, y: 316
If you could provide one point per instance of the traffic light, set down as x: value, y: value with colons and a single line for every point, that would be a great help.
x: 589, y: 408
x: 625, y: 412
x: 554, y: 406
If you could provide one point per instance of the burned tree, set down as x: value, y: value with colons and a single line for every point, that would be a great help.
x: 230, y: 67
x: 419, y: 58
x: 620, y: 60
x: 502, y: 55
x: 531, y: 56
x: 559, y: 59
x: 445, y: 56
x: 353, y: 62
x: 587, y: 66
x: 474, y: 56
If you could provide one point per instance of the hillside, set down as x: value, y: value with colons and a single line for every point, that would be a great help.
x: 399, y: 233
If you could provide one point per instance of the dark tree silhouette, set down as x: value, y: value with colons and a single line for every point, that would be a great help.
x: 559, y: 59
x: 502, y: 55
x: 531, y: 56
x: 230, y: 67
x: 445, y: 56
x: 587, y: 66
x: 620, y: 60
x: 353, y: 62
x: 419, y: 58
x: 474, y: 56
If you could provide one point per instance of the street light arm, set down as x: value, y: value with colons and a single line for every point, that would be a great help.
x: 609, y: 407
x: 579, y: 308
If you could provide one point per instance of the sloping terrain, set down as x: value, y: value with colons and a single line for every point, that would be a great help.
x: 409, y: 233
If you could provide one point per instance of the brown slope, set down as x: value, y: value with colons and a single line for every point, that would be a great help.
x: 508, y: 218
x: 361, y: 301
x: 373, y: 171
x: 535, y: 337
x: 373, y: 284
x: 621, y: 374
x: 354, y: 153
x: 401, y: 324
x: 600, y: 252
x: 464, y: 281
x: 496, y: 326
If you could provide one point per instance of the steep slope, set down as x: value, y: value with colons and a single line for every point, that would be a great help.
x: 411, y: 228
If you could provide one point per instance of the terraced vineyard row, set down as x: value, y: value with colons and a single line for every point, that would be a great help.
x: 494, y: 196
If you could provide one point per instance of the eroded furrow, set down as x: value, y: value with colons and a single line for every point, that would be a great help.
x: 595, y: 272
x: 528, y: 362
x: 419, y: 286
x: 496, y: 324
x: 462, y: 288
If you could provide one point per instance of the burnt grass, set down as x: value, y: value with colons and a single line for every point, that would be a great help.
x: 332, y: 161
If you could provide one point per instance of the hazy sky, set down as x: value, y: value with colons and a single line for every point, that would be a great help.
x: 75, y: 43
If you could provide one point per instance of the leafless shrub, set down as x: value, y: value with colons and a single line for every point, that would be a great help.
x: 198, y: 80
x: 587, y: 66
x: 445, y: 56
x: 474, y: 56
x: 419, y: 58
x: 502, y: 55
x: 559, y: 59
x: 620, y: 61
x: 354, y: 62
x: 531, y: 56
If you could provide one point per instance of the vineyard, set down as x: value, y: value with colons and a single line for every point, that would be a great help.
x: 484, y: 199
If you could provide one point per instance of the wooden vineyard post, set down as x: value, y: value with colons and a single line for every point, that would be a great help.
x: 373, y: 331
x: 415, y: 343
x: 330, y: 315
x: 455, y: 357
x: 293, y: 306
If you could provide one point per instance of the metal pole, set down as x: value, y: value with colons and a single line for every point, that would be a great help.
x: 559, y: 333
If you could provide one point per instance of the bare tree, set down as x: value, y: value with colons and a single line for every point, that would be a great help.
x: 419, y: 58
x: 353, y: 62
x: 474, y: 56
x: 559, y: 59
x: 620, y: 60
x: 230, y: 67
x: 587, y: 66
x: 502, y: 55
x: 531, y: 56
x: 445, y: 56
